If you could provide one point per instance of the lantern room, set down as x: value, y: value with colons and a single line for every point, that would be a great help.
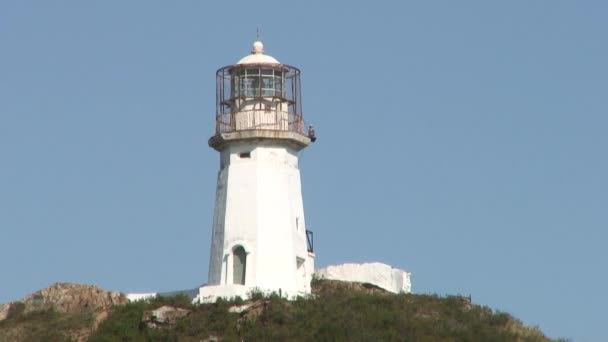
x: 259, y: 93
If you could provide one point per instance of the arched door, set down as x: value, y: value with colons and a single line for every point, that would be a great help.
x: 239, y: 265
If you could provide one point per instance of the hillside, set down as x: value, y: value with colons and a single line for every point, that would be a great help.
x: 337, y: 311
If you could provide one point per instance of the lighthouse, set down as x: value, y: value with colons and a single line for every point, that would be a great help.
x: 259, y: 238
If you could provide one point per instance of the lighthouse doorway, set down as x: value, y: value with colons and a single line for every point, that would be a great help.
x: 239, y: 265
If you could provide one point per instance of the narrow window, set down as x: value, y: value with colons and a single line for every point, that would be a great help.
x: 245, y: 155
x: 239, y: 265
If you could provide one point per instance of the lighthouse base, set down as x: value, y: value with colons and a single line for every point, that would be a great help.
x: 211, y: 293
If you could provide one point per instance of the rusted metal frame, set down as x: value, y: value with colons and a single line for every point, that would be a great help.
x: 225, y: 108
x: 217, y: 101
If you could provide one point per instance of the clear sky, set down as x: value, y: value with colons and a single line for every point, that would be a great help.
x: 464, y: 141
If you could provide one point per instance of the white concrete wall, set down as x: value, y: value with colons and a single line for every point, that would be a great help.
x: 259, y: 206
x: 379, y: 274
x: 209, y: 294
x: 133, y: 297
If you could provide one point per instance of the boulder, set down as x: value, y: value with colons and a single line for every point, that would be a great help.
x: 72, y: 298
x: 4, y: 310
x: 250, y: 310
x: 69, y: 300
x: 164, y: 316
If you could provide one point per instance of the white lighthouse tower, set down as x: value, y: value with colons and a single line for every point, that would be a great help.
x: 259, y: 238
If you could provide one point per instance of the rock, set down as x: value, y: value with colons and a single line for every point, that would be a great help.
x: 164, y: 316
x: 65, y: 298
x: 378, y: 274
x: 250, y: 310
x: 239, y: 308
x: 72, y: 298
x: 4, y: 310
x: 69, y: 300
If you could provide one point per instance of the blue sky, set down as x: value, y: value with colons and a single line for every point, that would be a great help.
x: 462, y: 141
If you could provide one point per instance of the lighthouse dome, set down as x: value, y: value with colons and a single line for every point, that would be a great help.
x: 257, y: 56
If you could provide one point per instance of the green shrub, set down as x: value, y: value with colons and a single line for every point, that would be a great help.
x: 335, y: 313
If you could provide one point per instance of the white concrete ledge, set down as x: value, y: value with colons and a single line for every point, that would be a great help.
x: 295, y: 140
x: 379, y: 274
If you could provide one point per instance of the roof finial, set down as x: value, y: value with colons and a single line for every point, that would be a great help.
x: 258, y: 47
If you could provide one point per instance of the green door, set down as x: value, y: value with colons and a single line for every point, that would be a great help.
x: 239, y: 265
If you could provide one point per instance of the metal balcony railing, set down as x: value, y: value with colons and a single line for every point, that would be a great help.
x: 262, y: 120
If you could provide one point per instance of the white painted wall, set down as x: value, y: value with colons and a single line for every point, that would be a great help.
x: 379, y: 274
x: 133, y: 297
x: 259, y: 206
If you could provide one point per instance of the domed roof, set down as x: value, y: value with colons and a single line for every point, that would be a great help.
x: 257, y: 56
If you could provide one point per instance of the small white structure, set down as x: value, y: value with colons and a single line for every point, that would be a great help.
x: 134, y: 297
x: 382, y: 275
x: 259, y: 237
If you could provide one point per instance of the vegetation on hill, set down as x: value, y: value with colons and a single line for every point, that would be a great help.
x: 45, y: 325
x: 336, y: 312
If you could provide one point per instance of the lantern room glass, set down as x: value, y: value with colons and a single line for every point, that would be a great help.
x: 257, y: 82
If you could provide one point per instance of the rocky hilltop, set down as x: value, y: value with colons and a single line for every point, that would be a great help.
x: 67, y: 298
x: 336, y: 311
x: 72, y: 311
